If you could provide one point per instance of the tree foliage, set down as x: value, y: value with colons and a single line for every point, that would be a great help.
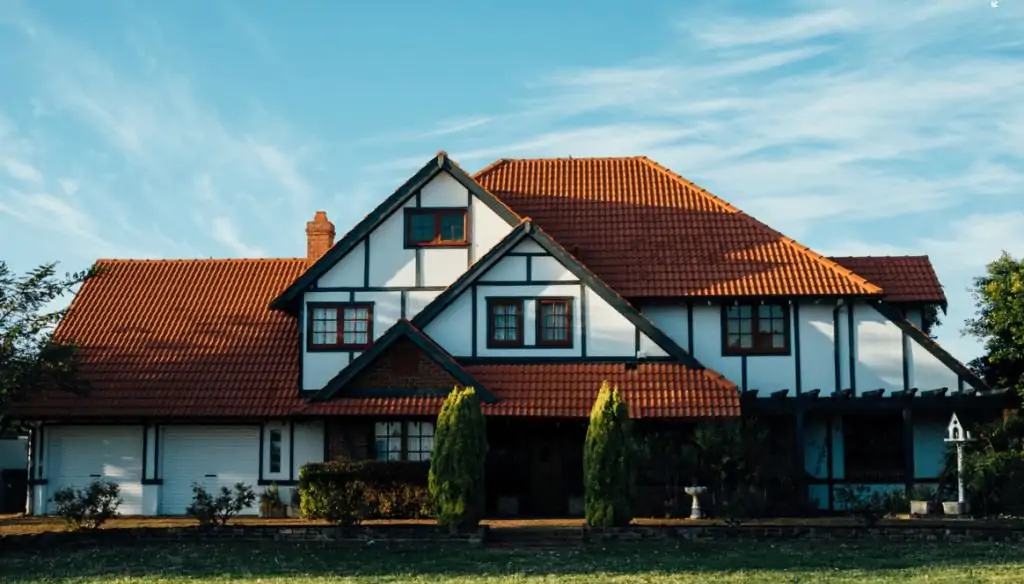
x: 28, y: 354
x: 457, y: 464
x: 609, y: 471
x: 999, y: 323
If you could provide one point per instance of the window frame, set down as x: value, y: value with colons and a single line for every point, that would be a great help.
x: 762, y: 348
x: 403, y: 451
x: 339, y: 344
x: 438, y: 213
x: 270, y: 450
x: 520, y: 321
x: 539, y: 340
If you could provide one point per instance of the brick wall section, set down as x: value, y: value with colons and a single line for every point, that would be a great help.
x: 403, y: 366
x: 349, y: 439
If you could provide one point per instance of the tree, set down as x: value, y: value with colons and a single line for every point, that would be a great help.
x: 456, y: 479
x: 999, y: 323
x: 28, y: 354
x: 609, y: 470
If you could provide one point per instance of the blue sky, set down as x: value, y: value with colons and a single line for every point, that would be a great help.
x: 209, y: 128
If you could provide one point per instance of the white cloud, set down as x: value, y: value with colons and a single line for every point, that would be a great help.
x: 69, y: 186
x: 21, y: 170
x: 225, y: 232
x: 159, y: 143
x: 730, y: 33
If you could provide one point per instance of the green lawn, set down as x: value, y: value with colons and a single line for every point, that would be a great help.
x: 650, y: 563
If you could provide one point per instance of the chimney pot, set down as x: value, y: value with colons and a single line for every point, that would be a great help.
x: 319, y: 237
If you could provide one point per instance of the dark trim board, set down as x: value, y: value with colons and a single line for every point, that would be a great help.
x: 836, y: 348
x: 366, y: 261
x: 795, y: 315
x: 583, y: 321
x: 743, y: 372
x: 532, y: 360
x: 689, y: 326
x: 145, y: 451
x: 287, y: 300
x: 291, y: 450
x: 280, y: 483
x: 506, y: 283
x: 528, y: 230
x: 474, y: 322
x: 263, y: 430
x: 851, y: 330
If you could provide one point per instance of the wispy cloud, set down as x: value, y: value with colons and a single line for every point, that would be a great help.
x: 21, y: 170
x: 225, y: 232
x: 161, y: 144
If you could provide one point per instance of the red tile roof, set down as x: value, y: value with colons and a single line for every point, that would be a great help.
x: 649, y: 232
x: 565, y: 390
x: 652, y: 390
x: 180, y: 338
x: 904, y: 278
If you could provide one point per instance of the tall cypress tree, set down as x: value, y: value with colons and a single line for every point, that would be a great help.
x: 608, y: 465
x: 456, y: 479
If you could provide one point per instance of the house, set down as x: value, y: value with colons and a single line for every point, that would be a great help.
x: 533, y: 281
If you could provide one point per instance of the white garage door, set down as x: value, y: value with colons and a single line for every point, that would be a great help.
x: 81, y: 454
x: 212, y: 456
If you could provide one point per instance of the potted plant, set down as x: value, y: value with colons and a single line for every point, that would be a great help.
x: 271, y: 505
x: 923, y: 500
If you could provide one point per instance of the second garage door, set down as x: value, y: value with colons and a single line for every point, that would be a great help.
x: 212, y: 456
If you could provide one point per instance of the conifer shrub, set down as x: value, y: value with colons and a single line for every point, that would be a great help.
x: 456, y: 479
x: 608, y: 461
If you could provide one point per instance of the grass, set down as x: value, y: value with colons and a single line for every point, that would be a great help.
x: 649, y: 563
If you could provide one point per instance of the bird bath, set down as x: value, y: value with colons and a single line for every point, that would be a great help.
x: 695, y: 492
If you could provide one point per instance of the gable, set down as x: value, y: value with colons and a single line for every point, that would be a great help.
x: 603, y: 323
x: 374, y: 252
x: 403, y: 366
x: 403, y: 362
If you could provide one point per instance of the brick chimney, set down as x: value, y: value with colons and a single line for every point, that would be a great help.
x: 319, y: 237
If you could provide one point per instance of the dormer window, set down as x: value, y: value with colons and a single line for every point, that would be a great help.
x: 340, y: 326
x: 435, y: 227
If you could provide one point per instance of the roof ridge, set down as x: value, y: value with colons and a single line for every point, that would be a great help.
x: 877, y: 257
x: 822, y: 260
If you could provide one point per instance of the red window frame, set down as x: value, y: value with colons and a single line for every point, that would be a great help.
x: 437, y: 213
x: 566, y: 327
x: 518, y: 322
x: 338, y: 343
x: 733, y: 319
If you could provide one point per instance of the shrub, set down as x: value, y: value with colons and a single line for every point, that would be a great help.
x: 88, y: 508
x: 993, y: 468
x: 213, y: 511
x: 608, y: 469
x: 349, y: 492
x: 859, y: 501
x: 457, y: 465
x: 271, y: 504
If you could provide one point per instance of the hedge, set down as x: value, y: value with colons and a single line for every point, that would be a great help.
x: 350, y: 492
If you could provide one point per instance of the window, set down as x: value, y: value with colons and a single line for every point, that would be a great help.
x: 404, y: 440
x: 435, y: 227
x: 275, y: 451
x: 504, y: 322
x: 554, y: 322
x: 340, y: 326
x: 873, y: 448
x: 755, y: 329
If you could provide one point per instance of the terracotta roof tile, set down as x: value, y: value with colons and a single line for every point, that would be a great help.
x: 568, y: 390
x: 649, y: 232
x: 180, y: 338
x: 903, y: 278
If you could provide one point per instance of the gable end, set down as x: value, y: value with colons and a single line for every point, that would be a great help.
x: 288, y: 300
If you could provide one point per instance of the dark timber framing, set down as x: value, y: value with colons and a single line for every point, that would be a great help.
x: 474, y: 323
x: 528, y: 230
x: 517, y: 302
x: 583, y: 321
x: 288, y: 300
x: 851, y: 330
x: 835, y: 348
x: 795, y: 315
x: 401, y: 329
x: 339, y: 346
